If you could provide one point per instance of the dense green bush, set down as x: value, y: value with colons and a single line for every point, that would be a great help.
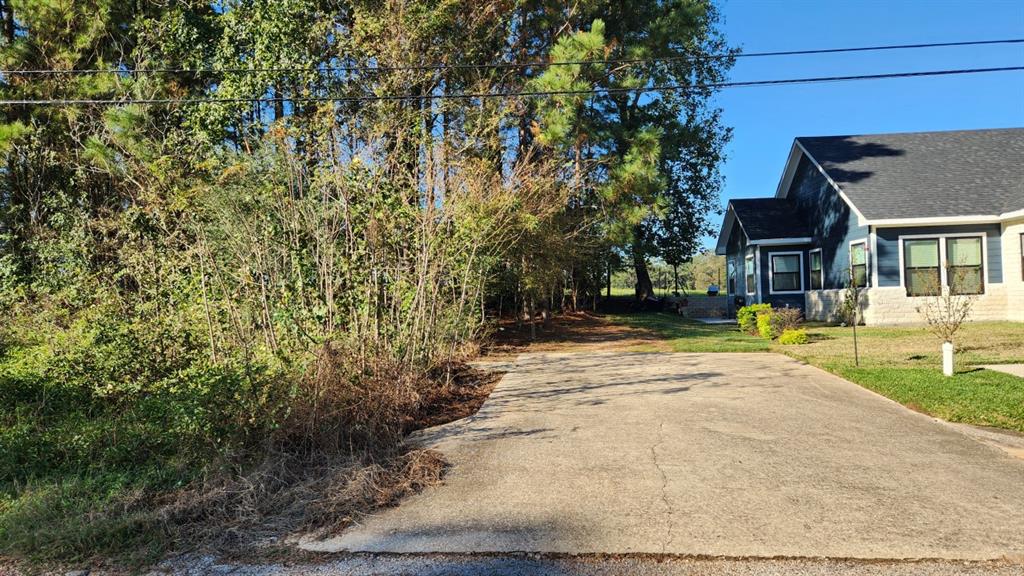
x: 100, y: 396
x: 794, y: 336
x: 746, y: 317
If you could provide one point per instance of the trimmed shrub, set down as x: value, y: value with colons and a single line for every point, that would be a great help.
x: 794, y: 336
x: 764, y: 324
x: 746, y: 317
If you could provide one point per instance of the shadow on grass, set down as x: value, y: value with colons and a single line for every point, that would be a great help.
x: 687, y: 335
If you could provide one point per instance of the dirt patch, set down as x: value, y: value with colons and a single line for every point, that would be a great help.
x: 572, y: 332
x: 462, y: 391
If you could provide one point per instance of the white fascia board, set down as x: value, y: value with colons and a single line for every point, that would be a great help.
x: 722, y: 246
x: 792, y: 161
x: 780, y: 241
x: 943, y: 220
x: 939, y: 221
x: 861, y: 219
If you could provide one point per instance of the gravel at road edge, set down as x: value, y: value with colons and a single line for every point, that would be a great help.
x: 589, y: 565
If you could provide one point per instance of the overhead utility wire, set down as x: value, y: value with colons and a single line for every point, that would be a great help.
x: 476, y: 95
x: 499, y: 65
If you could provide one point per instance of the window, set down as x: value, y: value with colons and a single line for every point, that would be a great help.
x: 859, y: 263
x: 921, y: 267
x: 749, y: 271
x: 817, y: 276
x: 786, y: 271
x: 732, y: 276
x: 965, y: 273
x: 956, y: 262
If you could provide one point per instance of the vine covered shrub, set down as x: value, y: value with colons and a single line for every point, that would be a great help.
x: 794, y: 336
x: 746, y: 317
x: 783, y: 319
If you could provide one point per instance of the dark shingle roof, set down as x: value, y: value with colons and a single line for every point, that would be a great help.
x: 926, y: 174
x: 765, y: 218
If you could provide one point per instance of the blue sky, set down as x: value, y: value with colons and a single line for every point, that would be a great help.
x: 765, y: 120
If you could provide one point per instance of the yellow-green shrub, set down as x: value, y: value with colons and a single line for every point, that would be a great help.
x: 746, y: 317
x: 794, y: 336
x: 764, y: 324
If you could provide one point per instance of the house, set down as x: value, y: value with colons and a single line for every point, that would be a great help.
x: 900, y: 214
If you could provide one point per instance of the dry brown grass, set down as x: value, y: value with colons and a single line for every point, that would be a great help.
x: 573, y: 332
x: 286, y: 496
x: 339, y: 456
x: 913, y: 346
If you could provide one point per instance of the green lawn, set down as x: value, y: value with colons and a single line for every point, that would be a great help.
x: 902, y: 363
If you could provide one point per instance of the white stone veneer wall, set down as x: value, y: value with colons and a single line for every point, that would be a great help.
x: 821, y: 305
x: 890, y: 305
x: 1012, y: 278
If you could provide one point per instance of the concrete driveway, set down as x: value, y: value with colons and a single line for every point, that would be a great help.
x: 702, y: 454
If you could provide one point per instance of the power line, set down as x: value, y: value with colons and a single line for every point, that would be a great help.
x: 517, y: 94
x: 500, y: 65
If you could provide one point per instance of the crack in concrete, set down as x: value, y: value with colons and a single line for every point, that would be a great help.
x: 664, y: 486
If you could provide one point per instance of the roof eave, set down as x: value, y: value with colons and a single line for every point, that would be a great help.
x: 945, y: 220
x: 722, y: 247
x: 789, y: 173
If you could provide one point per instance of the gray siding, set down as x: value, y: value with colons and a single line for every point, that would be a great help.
x: 889, y: 249
x: 832, y: 221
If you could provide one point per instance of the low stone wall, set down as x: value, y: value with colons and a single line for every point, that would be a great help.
x: 821, y: 305
x: 705, y: 307
x: 890, y: 305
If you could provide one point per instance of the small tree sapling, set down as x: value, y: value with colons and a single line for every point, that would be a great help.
x: 945, y: 310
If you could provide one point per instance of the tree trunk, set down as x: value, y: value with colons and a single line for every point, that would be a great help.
x: 608, y: 287
x: 533, y: 325
x: 644, y: 286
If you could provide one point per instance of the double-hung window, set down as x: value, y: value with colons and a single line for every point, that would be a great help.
x: 922, y: 273
x: 965, y: 272
x: 786, y: 268
x: 859, y: 263
x: 748, y: 268
x: 957, y: 262
x: 817, y: 279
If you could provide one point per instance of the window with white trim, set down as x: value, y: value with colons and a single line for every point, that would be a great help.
x: 748, y: 268
x: 817, y: 272
x: 965, y: 271
x: 956, y: 262
x: 921, y: 272
x: 859, y: 263
x: 785, y: 271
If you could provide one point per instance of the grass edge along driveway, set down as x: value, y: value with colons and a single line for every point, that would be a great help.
x: 902, y: 363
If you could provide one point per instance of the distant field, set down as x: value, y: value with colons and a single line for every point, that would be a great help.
x: 690, y: 292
